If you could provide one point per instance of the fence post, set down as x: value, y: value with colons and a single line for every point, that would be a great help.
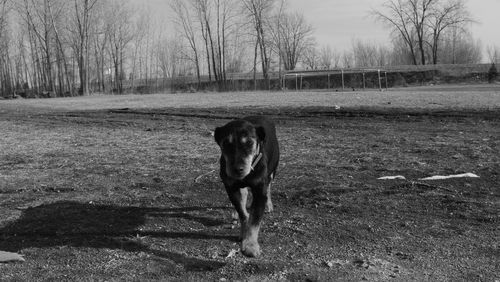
x: 379, y: 81
x: 343, y: 86
x: 296, y: 83
x: 328, y: 81
x: 386, y: 87
x: 364, y: 82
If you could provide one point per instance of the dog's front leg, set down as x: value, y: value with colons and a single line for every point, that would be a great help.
x: 250, y: 245
x: 238, y: 197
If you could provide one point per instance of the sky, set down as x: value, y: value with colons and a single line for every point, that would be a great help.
x: 338, y: 22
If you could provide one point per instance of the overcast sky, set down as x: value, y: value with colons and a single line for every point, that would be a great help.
x: 338, y: 22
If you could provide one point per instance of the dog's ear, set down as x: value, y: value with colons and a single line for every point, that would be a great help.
x: 218, y: 134
x: 261, y: 133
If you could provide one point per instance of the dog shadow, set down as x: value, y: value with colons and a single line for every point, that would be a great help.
x: 69, y: 223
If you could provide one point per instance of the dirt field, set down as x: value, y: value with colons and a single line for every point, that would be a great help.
x: 482, y: 96
x: 127, y: 188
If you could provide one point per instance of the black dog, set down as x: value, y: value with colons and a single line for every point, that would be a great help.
x: 250, y: 156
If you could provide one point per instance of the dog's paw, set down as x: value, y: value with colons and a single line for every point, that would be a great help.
x: 250, y: 248
x: 234, y: 218
x: 269, y: 207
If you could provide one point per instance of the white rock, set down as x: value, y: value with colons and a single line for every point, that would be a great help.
x: 442, y: 177
x: 392, y: 177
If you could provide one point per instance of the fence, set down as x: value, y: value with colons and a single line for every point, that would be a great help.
x: 331, y: 79
x: 336, y: 79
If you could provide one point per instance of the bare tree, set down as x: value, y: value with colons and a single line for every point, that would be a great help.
x: 347, y: 59
x: 4, y: 9
x: 169, y: 59
x: 36, y: 17
x: 42, y: 49
x: 237, y: 53
x: 83, y: 20
x: 141, y: 31
x: 226, y: 28
x: 493, y: 53
x: 364, y: 53
x: 459, y: 48
x: 6, y: 84
x: 184, y: 21
x: 400, y: 54
x: 101, y: 30
x: 329, y: 58
x: 120, y: 36
x: 60, y: 45
x: 420, y: 23
x: 216, y: 18
x: 444, y: 16
x: 55, y: 13
x: 367, y: 54
x: 311, y: 58
x: 296, y: 37
x: 399, y: 16
x: 259, y: 12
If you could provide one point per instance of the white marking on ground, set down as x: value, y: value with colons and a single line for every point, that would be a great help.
x: 443, y: 177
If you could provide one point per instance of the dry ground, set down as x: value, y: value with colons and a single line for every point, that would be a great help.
x: 126, y: 187
x: 479, y: 96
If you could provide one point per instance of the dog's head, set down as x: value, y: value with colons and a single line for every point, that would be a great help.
x: 240, y: 143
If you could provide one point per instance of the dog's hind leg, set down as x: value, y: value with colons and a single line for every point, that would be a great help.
x: 269, y: 203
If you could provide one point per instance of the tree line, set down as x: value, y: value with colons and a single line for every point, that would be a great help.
x: 76, y: 47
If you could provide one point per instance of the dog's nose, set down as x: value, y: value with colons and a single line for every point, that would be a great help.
x: 239, y: 170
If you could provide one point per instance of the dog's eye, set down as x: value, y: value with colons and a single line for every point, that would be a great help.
x: 227, y: 145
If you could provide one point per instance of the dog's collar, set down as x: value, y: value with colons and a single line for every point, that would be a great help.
x: 256, y: 160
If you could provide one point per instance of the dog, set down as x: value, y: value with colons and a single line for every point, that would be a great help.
x: 249, y: 160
